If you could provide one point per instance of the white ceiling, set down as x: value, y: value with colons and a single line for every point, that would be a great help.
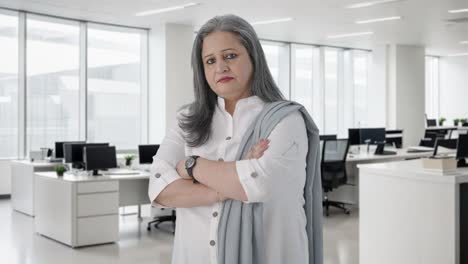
x: 424, y: 21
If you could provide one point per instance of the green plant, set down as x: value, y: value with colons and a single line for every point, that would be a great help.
x: 456, y: 121
x: 463, y: 120
x: 128, y: 159
x: 60, y: 170
x: 441, y: 121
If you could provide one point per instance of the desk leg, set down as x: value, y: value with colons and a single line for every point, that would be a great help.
x: 139, y: 211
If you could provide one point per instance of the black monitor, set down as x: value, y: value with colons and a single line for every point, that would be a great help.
x: 73, y: 152
x: 147, y: 152
x: 59, y: 148
x: 327, y: 137
x: 99, y: 158
x: 354, y: 136
x: 446, y: 143
x: 462, y: 150
x: 372, y: 135
x: 431, y: 122
x: 359, y: 136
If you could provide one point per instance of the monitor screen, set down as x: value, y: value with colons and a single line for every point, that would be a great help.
x: 99, y: 157
x: 373, y: 135
x: 73, y: 152
x: 354, y: 136
x: 462, y: 146
x: 147, y: 152
x: 59, y: 153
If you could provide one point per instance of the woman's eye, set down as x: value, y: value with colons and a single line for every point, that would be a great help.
x: 210, y: 61
x: 231, y: 56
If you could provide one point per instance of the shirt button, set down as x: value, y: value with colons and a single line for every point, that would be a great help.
x: 220, y: 159
x: 228, y: 138
x: 215, y: 214
x: 253, y: 174
x: 157, y: 175
x: 212, y: 243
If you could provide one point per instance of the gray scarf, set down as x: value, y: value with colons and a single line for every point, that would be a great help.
x: 240, y: 232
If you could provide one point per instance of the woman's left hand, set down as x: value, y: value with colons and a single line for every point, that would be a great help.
x: 182, y: 171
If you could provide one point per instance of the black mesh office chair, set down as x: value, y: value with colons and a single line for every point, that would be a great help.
x: 161, y: 219
x: 333, y: 167
x: 430, y: 138
x: 327, y: 137
x: 446, y: 143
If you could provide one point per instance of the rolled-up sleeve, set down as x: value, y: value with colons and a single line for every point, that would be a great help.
x: 282, y: 162
x: 163, y: 169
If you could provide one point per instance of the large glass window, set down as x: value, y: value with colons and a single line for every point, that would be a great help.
x: 432, y: 87
x: 8, y: 85
x: 52, y: 81
x: 114, y: 86
x: 277, y: 56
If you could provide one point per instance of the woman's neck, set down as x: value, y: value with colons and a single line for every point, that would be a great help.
x: 230, y: 105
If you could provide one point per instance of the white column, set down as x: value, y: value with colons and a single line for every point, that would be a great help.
x: 170, y: 75
x: 406, y: 91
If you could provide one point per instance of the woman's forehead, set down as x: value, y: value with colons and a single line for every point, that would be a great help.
x: 220, y: 41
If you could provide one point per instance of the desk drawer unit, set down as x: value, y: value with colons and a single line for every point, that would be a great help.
x: 97, y: 230
x: 97, y: 204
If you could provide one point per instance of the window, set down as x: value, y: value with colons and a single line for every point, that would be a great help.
x: 52, y: 69
x: 277, y: 56
x: 8, y: 85
x: 331, y: 91
x: 114, y: 97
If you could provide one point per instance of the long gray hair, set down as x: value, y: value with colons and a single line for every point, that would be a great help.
x: 196, y: 122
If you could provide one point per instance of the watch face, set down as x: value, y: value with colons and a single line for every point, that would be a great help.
x: 189, y: 162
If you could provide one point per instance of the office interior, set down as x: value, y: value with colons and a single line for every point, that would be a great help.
x: 94, y: 85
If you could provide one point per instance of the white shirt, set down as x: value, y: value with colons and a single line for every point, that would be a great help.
x: 276, y: 179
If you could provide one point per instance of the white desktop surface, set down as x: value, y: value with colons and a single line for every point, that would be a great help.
x: 90, y: 178
x: 408, y: 214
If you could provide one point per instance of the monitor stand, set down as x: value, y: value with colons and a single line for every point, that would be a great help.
x: 95, y: 173
x: 462, y: 163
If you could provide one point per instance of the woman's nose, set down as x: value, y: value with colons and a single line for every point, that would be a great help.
x: 221, y: 67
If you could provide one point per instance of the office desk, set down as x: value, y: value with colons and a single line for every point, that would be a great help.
x: 412, y: 215
x: 22, y: 183
x: 83, y: 210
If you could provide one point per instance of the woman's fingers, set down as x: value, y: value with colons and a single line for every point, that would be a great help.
x: 258, y: 149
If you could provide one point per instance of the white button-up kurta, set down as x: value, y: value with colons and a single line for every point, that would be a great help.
x: 276, y: 179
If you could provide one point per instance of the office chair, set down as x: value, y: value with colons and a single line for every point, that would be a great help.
x: 161, y: 219
x: 431, y: 122
x: 333, y: 168
x: 430, y: 138
x: 446, y: 143
x: 327, y: 137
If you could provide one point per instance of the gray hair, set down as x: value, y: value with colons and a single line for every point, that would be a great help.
x: 196, y: 122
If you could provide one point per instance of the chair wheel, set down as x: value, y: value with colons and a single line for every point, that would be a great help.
x: 148, y: 228
x: 347, y: 212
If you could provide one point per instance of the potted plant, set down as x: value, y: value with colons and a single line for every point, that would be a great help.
x: 441, y: 121
x: 456, y: 121
x: 128, y: 159
x: 463, y: 121
x: 60, y: 170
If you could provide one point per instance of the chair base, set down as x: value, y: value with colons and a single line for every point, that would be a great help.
x: 161, y: 219
x: 339, y: 205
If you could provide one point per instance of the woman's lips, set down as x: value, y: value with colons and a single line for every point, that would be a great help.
x: 225, y: 79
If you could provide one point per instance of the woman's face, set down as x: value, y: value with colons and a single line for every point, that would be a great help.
x: 227, y: 64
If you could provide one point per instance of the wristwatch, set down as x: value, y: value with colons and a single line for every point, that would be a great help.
x: 190, y: 163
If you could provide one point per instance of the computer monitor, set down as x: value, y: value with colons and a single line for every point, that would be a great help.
x: 354, y: 136
x: 99, y: 158
x: 59, y: 147
x: 431, y: 122
x: 446, y: 143
x: 462, y: 150
x: 372, y: 135
x: 147, y: 152
x: 327, y: 137
x: 73, y: 152
x: 359, y: 136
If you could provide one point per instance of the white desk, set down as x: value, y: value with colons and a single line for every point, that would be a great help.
x: 22, y: 183
x: 409, y: 215
x: 83, y: 210
x: 350, y: 193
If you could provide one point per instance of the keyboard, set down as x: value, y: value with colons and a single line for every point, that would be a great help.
x: 120, y: 172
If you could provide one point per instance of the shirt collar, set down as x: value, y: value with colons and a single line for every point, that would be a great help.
x: 244, y: 102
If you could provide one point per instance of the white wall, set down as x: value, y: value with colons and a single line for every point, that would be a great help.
x: 5, y: 177
x: 376, y: 91
x: 453, y: 91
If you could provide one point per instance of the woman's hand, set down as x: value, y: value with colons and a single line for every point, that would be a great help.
x: 182, y: 171
x: 258, y: 149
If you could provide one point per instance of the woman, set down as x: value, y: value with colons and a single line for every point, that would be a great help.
x: 241, y: 198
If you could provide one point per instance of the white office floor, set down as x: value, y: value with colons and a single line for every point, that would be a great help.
x: 20, y: 245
